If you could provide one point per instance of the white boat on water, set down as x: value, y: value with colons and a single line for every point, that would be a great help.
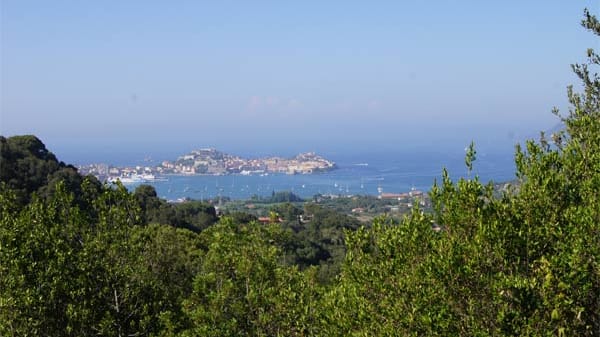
x: 126, y: 180
x: 148, y: 177
x: 135, y: 178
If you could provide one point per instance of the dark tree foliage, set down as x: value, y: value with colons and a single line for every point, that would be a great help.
x: 27, y: 167
x: 318, y: 240
x: 25, y: 164
x: 193, y: 215
x: 277, y: 197
x: 287, y: 211
x: 284, y: 196
x: 242, y: 217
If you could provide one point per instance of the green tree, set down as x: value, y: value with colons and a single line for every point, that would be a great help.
x: 243, y: 289
x: 525, y: 263
x: 69, y: 272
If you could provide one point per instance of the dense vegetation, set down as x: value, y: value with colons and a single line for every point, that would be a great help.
x: 78, y: 258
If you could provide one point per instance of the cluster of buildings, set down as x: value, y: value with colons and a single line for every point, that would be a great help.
x: 405, y: 199
x: 400, y: 196
x: 126, y: 175
x: 213, y: 162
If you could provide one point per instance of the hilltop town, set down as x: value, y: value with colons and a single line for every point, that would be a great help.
x: 210, y: 161
x: 213, y: 162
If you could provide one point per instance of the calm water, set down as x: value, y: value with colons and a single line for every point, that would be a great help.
x: 363, y: 175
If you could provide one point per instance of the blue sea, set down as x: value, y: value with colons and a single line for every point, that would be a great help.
x: 356, y: 175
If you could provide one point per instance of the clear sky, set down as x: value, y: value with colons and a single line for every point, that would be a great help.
x: 273, y: 76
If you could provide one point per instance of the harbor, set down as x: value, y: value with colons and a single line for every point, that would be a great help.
x: 377, y: 177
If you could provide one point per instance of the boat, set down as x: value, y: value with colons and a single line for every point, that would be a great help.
x: 148, y: 177
x: 135, y: 178
x: 126, y: 180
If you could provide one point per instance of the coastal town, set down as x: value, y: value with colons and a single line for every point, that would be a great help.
x: 210, y: 161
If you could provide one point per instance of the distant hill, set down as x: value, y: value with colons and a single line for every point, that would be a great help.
x: 27, y: 166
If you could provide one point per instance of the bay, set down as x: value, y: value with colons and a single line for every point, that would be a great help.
x: 367, y: 174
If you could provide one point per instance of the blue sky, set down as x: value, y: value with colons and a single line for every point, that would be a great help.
x: 283, y: 76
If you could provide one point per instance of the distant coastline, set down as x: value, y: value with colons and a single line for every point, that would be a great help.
x: 210, y: 162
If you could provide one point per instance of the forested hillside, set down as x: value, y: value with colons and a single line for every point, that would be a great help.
x: 78, y: 258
